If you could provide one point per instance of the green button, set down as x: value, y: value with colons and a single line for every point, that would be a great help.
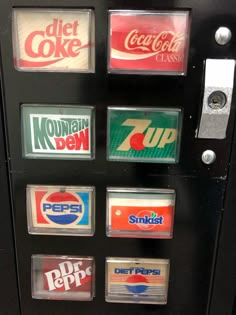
x: 144, y: 134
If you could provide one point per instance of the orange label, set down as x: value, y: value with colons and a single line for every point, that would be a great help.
x: 132, y: 218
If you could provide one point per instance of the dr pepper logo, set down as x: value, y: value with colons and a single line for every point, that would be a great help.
x: 60, y: 208
x: 143, y: 135
x: 54, y: 40
x: 67, y: 275
x: 57, y: 132
x: 62, y: 277
x: 149, y: 41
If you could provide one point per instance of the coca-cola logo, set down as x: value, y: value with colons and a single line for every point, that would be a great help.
x: 57, y: 41
x: 67, y: 275
x: 165, y: 41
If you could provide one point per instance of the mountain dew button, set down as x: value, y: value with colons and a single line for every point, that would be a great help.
x: 137, y: 280
x: 140, y: 212
x: 57, y: 131
x: 144, y: 134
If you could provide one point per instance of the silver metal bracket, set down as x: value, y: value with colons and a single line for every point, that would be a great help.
x: 218, y: 90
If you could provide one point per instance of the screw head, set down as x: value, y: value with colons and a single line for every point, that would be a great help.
x: 223, y: 35
x: 208, y: 157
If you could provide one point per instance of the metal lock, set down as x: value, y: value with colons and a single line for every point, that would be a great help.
x: 217, y: 100
x: 218, y: 90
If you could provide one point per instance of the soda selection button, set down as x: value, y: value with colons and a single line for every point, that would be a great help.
x: 148, y: 42
x: 144, y: 134
x: 62, y: 277
x: 61, y: 210
x: 137, y: 280
x: 58, y: 132
x: 140, y: 212
x: 53, y: 40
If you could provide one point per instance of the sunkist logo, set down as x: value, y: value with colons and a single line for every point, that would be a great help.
x: 146, y: 220
x: 59, y: 40
x: 142, y: 136
x: 60, y: 134
x: 68, y: 274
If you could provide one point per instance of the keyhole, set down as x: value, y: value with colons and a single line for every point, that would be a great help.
x: 217, y: 100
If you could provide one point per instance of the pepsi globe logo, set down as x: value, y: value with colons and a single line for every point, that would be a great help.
x: 62, y: 208
x: 136, y: 284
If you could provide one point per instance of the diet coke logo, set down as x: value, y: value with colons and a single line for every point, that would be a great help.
x: 53, y: 41
x: 68, y: 274
x: 165, y: 41
x: 58, y: 40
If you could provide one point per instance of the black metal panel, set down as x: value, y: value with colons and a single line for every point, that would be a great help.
x: 224, y: 288
x: 190, y: 251
x: 200, y: 188
x: 9, y: 298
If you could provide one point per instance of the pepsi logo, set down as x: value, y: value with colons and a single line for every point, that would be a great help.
x: 136, y: 284
x: 62, y: 208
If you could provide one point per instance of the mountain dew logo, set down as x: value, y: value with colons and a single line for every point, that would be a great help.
x: 144, y: 135
x: 64, y: 133
x: 146, y: 220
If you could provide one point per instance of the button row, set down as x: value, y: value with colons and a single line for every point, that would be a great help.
x: 63, y: 40
x: 128, y: 280
x: 134, y: 134
x: 130, y: 212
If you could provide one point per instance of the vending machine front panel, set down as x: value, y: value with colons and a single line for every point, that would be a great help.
x: 94, y: 122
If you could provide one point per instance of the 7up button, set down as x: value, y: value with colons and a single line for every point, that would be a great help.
x: 144, y: 134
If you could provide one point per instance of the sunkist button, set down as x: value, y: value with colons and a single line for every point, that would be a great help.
x: 140, y: 212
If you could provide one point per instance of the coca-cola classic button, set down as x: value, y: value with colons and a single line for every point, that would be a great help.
x: 148, y: 42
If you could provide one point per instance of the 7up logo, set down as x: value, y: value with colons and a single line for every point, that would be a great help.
x: 138, y: 135
x: 138, y: 139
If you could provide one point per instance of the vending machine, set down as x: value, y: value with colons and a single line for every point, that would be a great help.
x: 119, y: 126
